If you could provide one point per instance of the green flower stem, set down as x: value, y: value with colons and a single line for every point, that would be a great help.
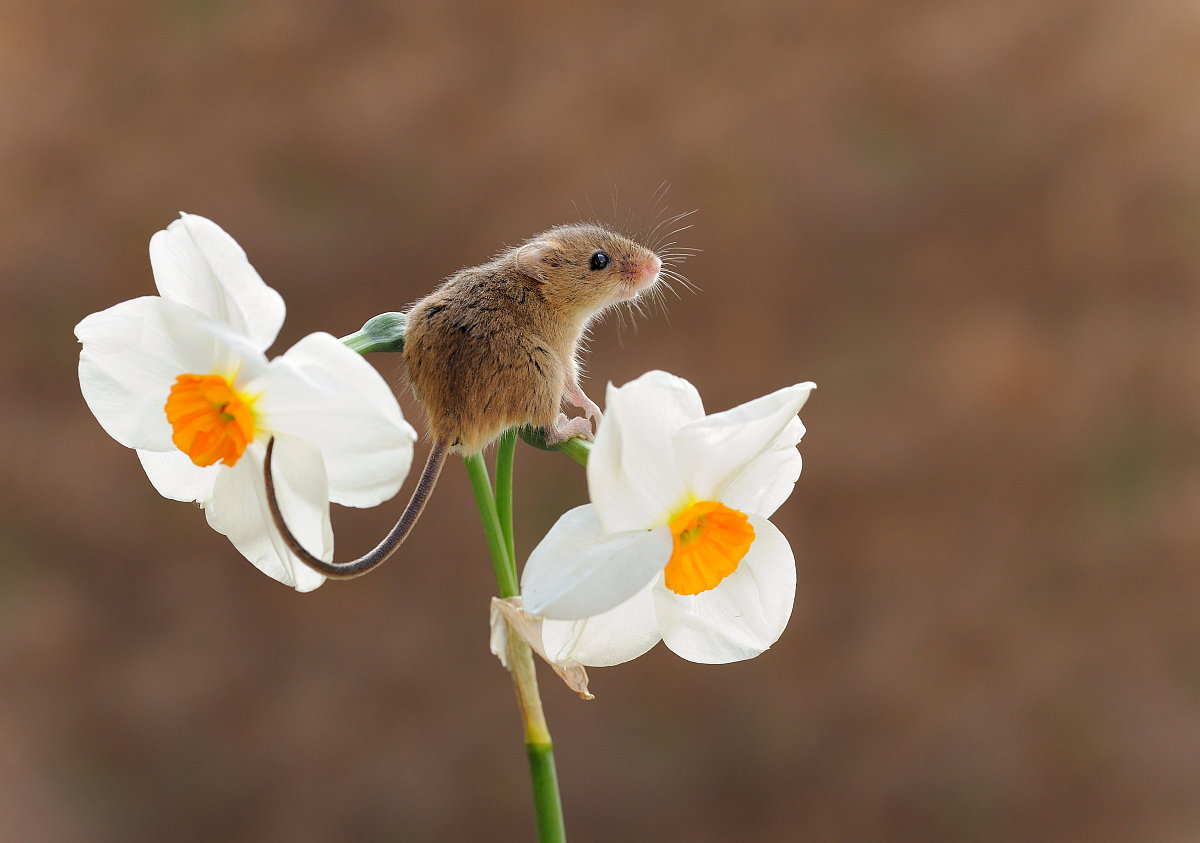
x: 505, y: 451
x: 502, y: 565
x: 577, y: 449
x: 546, y: 800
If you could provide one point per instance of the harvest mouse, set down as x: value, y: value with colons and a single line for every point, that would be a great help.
x: 496, y: 346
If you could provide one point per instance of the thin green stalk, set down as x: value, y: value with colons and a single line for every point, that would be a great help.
x: 575, y: 448
x: 506, y: 578
x: 578, y: 450
x: 546, y: 800
x: 545, y: 792
x: 547, y: 804
x: 505, y: 451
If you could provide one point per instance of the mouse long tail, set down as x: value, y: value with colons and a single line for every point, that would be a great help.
x: 395, y: 538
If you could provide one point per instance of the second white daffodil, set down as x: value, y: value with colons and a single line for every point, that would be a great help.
x: 182, y: 378
x: 675, y: 545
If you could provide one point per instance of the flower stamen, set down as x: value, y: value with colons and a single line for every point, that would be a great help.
x: 710, y: 540
x: 211, y: 421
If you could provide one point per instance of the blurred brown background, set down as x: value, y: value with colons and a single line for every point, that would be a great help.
x: 975, y: 224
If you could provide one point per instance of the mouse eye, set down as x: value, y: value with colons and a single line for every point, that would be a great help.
x: 599, y: 260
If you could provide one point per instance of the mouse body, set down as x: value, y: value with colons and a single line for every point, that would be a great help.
x: 497, y: 346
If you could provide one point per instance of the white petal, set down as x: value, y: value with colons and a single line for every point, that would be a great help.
x: 239, y: 510
x: 322, y: 391
x: 195, y: 262
x: 132, y: 354
x: 746, y: 457
x: 634, y: 480
x: 742, y: 616
x: 579, y: 570
x: 767, y: 481
x: 613, y: 637
x: 175, y: 476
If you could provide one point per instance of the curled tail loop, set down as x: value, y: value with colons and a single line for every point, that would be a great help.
x: 393, y: 540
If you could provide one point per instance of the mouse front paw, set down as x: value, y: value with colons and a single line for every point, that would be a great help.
x: 592, y: 411
x: 578, y: 398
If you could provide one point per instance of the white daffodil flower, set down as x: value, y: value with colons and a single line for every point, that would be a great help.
x: 182, y: 378
x: 675, y: 545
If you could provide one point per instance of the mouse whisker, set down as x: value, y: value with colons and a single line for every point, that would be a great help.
x: 659, y: 200
x: 680, y: 251
x: 655, y: 239
x: 671, y: 220
x: 667, y: 285
x: 672, y: 275
x: 676, y: 231
x: 659, y: 195
x: 669, y: 266
x: 660, y: 297
x: 673, y: 259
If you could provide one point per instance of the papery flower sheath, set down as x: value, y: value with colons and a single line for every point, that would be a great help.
x: 675, y: 545
x: 183, y: 379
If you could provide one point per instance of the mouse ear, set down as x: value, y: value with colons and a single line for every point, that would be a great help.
x: 531, y: 258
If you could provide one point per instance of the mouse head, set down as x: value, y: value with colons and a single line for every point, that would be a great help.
x: 586, y: 268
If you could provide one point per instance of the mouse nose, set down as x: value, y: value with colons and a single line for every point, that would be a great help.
x: 653, y: 266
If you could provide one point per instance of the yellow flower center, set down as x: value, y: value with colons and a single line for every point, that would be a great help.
x: 710, y: 541
x: 212, y: 422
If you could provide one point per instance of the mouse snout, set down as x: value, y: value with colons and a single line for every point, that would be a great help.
x: 647, y: 270
x: 639, y: 274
